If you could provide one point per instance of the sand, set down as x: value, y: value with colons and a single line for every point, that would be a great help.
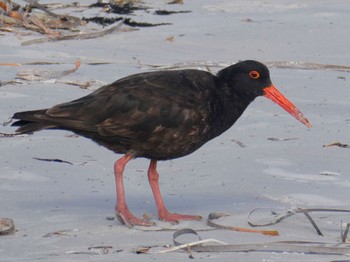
x: 62, y: 211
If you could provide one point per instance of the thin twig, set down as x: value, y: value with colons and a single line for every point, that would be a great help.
x: 344, y: 235
x: 187, y: 245
x: 313, y: 223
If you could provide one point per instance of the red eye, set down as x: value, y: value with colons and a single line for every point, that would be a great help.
x: 254, y: 74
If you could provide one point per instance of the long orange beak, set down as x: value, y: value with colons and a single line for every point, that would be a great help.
x: 271, y: 92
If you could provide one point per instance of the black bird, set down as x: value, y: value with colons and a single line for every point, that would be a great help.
x: 159, y: 115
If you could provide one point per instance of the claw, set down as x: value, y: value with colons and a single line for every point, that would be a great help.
x: 175, y: 218
x: 130, y: 221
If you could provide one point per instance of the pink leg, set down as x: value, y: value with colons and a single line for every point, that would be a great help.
x: 122, y: 211
x: 163, y: 213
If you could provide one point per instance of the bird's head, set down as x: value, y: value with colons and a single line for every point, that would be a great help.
x: 251, y: 79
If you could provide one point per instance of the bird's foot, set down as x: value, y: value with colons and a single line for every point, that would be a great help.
x: 125, y: 217
x: 174, y: 218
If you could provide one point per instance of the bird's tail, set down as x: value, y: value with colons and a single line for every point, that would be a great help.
x: 31, y: 121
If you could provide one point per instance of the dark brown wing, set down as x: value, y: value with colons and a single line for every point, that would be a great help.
x: 158, y: 113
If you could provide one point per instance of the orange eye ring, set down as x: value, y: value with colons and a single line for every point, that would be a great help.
x: 254, y: 74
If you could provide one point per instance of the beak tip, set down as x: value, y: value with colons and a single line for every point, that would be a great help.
x: 306, y: 122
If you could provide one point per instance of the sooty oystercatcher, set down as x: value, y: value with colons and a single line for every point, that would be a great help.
x: 160, y: 116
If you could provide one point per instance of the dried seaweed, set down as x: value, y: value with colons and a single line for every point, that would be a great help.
x: 126, y: 9
x: 128, y: 21
x: 39, y: 18
x: 166, y: 12
x: 35, y: 3
x: 181, y: 2
x: 214, y: 216
x: 10, y: 20
x: 280, y: 216
x: 53, y: 160
x: 103, y: 20
x: 290, y: 246
x: 337, y: 144
x: 121, y: 9
x: 132, y: 23
x: 214, y: 245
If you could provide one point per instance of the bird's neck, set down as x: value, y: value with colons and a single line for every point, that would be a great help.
x: 228, y: 109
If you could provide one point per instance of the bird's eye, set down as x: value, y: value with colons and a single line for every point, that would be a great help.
x: 254, y: 74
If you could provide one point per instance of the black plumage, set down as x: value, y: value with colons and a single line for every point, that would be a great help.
x: 159, y: 115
